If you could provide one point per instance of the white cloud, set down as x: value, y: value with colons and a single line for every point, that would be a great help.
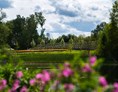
x: 59, y: 13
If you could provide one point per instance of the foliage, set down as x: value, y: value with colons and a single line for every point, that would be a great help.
x: 2, y: 15
x: 23, y: 30
x: 67, y: 78
x: 33, y: 44
x: 113, y: 32
x: 62, y: 43
x: 109, y: 40
x: 4, y: 33
x: 70, y: 47
x: 96, y: 31
x: 108, y: 46
x: 42, y: 43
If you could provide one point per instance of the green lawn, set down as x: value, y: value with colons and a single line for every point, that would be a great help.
x: 45, y: 59
x: 48, y: 56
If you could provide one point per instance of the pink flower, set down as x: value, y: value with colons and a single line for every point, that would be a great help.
x: 24, y: 89
x: 19, y: 74
x: 15, y: 85
x: 69, y: 87
x: 39, y: 76
x: 115, y: 90
x: 115, y: 87
x: 17, y: 82
x: 32, y: 82
x: 92, y: 60
x: 3, y: 84
x: 46, y: 76
x: 86, y: 68
x: 102, y: 81
x: 67, y: 72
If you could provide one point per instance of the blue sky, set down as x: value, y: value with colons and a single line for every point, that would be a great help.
x: 62, y: 16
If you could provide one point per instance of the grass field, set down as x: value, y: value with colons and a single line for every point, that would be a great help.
x: 52, y: 56
x: 49, y: 58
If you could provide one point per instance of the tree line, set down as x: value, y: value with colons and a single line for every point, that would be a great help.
x: 22, y: 33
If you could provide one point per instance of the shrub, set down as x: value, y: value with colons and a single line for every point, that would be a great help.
x: 67, y: 78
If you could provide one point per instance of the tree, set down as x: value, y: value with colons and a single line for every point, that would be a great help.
x: 108, y: 45
x: 62, y: 42
x: 24, y: 30
x: 52, y: 42
x: 2, y: 15
x: 4, y: 33
x: 42, y: 43
x: 103, y: 48
x: 33, y: 44
x: 113, y: 32
x: 109, y: 38
x: 4, y: 30
x: 80, y: 41
x: 41, y: 20
x: 70, y: 45
x: 96, y: 31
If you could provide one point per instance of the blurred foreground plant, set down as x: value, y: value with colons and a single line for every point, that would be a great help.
x: 67, y: 78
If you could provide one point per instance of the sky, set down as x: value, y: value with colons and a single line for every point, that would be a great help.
x: 78, y: 17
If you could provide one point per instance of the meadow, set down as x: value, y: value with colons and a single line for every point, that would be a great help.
x: 45, y: 59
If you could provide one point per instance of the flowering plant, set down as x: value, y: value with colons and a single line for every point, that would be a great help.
x: 66, y: 78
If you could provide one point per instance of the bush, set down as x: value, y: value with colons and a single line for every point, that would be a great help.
x: 67, y: 78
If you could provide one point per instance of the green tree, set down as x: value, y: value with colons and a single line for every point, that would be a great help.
x: 4, y: 33
x: 41, y: 21
x: 33, y: 44
x: 4, y: 30
x: 103, y: 48
x: 2, y: 15
x: 113, y: 32
x: 24, y: 30
x: 62, y: 43
x: 108, y: 45
x: 109, y: 37
x: 96, y: 31
x: 80, y: 41
x: 52, y: 42
x: 70, y: 45
x: 42, y: 43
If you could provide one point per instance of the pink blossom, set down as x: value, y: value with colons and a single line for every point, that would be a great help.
x: 17, y: 81
x: 92, y: 60
x: 86, y: 68
x: 32, y: 82
x: 67, y: 72
x: 3, y: 84
x: 19, y: 74
x: 46, y: 76
x: 15, y: 85
x: 39, y: 76
x: 115, y: 90
x: 102, y: 81
x: 69, y: 87
x: 24, y: 89
x: 115, y: 87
